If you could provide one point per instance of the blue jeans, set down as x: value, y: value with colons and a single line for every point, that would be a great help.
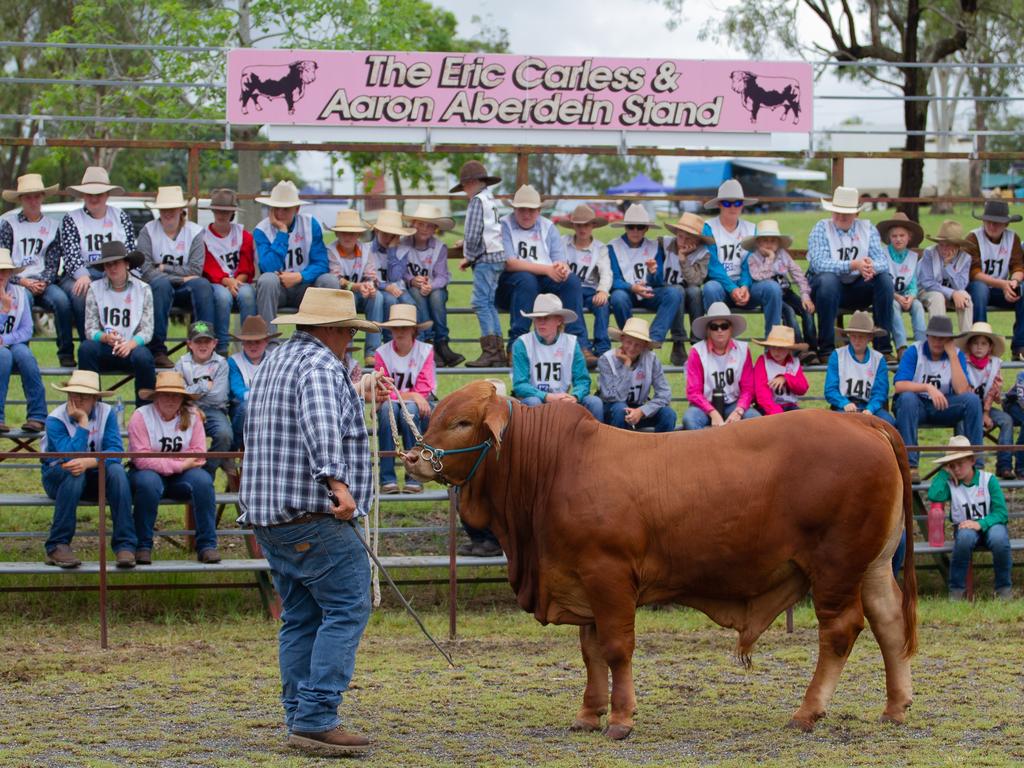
x: 766, y: 294
x: 67, y: 490
x: 591, y: 402
x: 238, y: 411
x: 78, y: 302
x: 917, y: 323
x: 518, y: 290
x: 54, y: 300
x: 913, y: 411
x: 99, y: 357
x: 792, y: 308
x: 386, y: 442
x: 829, y: 293
x: 601, y: 316
x: 223, y: 301
x: 196, y: 294
x: 996, y: 540
x: 983, y: 297
x: 193, y: 485
x: 691, y: 303
x: 663, y: 420
x: 219, y: 430
x: 665, y: 304
x: 1014, y: 410
x: 19, y: 357
x: 695, y: 418
x: 433, y: 307
x: 1002, y: 422
x: 322, y: 574
x: 485, y: 289
x: 883, y: 414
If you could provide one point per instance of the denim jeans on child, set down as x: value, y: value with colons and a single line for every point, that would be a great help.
x: 68, y: 490
x: 20, y: 357
x: 695, y: 418
x: 386, y: 441
x: 917, y: 323
x: 996, y: 540
x: 193, y: 485
x: 485, y: 287
x: 223, y: 301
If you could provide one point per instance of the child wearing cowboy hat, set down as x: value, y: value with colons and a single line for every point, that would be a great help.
x: 206, y: 375
x: 984, y: 349
x: 632, y: 382
x: 548, y: 364
x: 944, y: 272
x: 423, y: 259
x: 857, y: 378
x: 15, y: 335
x: 410, y: 365
x: 977, y: 510
x: 254, y: 336
x: 778, y: 378
x: 587, y: 258
x: 997, y: 267
x: 387, y: 231
x: 687, y: 257
x: 901, y: 235
x: 85, y: 424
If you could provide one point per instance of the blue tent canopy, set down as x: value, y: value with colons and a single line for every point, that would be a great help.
x: 640, y: 184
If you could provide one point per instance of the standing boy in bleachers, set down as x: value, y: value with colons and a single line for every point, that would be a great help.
x: 206, y: 375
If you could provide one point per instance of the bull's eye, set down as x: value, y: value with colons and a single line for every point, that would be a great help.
x: 461, y: 425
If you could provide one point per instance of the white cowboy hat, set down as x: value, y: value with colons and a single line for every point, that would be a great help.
x: 390, y: 223
x: 691, y: 224
x: 284, y: 195
x: 29, y: 184
x: 169, y: 198
x: 171, y: 382
x: 983, y: 329
x: 718, y: 311
x: 766, y: 228
x: 844, y: 200
x: 527, y: 197
x: 636, y: 215
x: 327, y: 307
x: 961, y: 449
x: 347, y: 220
x: 782, y: 337
x: 636, y: 328
x: 83, y: 383
x: 431, y: 214
x: 95, y: 181
x: 549, y: 304
x: 7, y: 264
x: 404, y: 316
x: 730, y: 189
x: 583, y: 214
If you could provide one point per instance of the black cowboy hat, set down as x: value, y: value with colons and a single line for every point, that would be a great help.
x: 997, y: 211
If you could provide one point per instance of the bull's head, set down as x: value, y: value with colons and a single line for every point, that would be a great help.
x: 464, y: 427
x: 739, y: 80
x: 308, y: 70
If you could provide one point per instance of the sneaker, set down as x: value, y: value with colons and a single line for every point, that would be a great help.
x: 1004, y: 593
x: 161, y: 360
x: 387, y: 489
x: 337, y: 741
x: 209, y: 556
x: 411, y: 486
x: 63, y: 557
x: 125, y: 558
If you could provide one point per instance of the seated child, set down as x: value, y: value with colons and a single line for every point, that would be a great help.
x: 778, y: 378
x: 857, y: 378
x: 977, y: 510
x: 686, y: 268
x: 15, y: 334
x: 901, y: 234
x: 206, y: 376
x: 632, y: 382
x: 255, y: 335
x: 983, y: 350
x: 944, y: 273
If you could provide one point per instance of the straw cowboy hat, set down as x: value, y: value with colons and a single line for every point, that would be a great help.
x: 844, y: 200
x: 29, y: 184
x: 431, y: 214
x: 547, y: 304
x: 782, y: 337
x: 718, y: 311
x: 527, y: 197
x: 404, y: 316
x: 861, y: 322
x: 636, y: 328
x: 83, y: 383
x: 901, y: 220
x: 951, y: 232
x: 171, y: 382
x: 766, y: 228
x: 222, y: 199
x: 95, y: 181
x: 473, y: 170
x: 983, y: 329
x: 115, y: 250
x: 636, y: 215
x: 284, y: 195
x: 730, y: 189
x: 254, y: 328
x: 583, y: 214
x: 327, y: 307
x: 995, y: 210
x: 168, y: 199
x: 7, y: 264
x: 347, y: 220
x: 390, y: 223
x: 691, y: 224
x: 960, y: 448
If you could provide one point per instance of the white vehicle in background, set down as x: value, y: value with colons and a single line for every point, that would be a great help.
x: 135, y: 207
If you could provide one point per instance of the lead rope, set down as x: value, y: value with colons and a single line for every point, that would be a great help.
x: 372, y: 531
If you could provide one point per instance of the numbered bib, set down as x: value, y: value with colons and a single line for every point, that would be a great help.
x: 165, y: 436
x: 300, y: 240
x: 550, y: 364
x: 120, y: 311
x: 93, y: 233
x: 970, y: 502
x: 405, y: 370
x: 730, y: 250
x: 225, y: 250
x: 172, y: 251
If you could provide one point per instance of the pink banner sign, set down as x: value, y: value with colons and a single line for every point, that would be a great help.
x: 465, y: 90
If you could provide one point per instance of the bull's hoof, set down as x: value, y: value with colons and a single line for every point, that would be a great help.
x: 895, y: 719
x: 618, y: 732
x: 580, y: 725
x: 806, y: 726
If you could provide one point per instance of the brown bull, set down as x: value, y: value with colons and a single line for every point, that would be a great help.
x: 739, y: 523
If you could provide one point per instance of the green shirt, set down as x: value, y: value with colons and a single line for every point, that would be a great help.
x: 939, y: 491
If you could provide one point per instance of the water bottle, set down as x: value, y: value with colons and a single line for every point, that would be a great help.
x: 119, y: 412
x: 718, y: 401
x: 936, y: 525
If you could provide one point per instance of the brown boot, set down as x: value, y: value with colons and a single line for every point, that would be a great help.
x: 62, y: 556
x: 334, y: 742
x: 502, y: 354
x: 486, y: 359
x: 678, y: 355
x: 590, y: 358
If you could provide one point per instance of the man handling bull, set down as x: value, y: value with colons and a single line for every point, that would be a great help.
x: 305, y: 434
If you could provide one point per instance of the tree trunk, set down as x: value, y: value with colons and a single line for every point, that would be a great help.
x: 915, y: 116
x: 978, y: 166
x: 249, y: 182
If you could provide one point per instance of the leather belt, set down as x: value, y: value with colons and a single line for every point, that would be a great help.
x: 308, y: 517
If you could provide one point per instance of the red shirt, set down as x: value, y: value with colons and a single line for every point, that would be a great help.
x: 246, y: 260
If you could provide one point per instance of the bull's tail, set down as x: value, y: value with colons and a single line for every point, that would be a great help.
x: 909, y: 573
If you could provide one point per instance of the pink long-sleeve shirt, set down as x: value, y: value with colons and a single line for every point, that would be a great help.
x: 695, y: 383
x: 426, y: 381
x: 763, y: 394
x: 138, y: 440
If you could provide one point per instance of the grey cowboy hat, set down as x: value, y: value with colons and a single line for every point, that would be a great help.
x: 999, y: 212
x: 115, y: 250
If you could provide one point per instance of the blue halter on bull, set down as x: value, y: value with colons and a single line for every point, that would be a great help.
x: 589, y: 537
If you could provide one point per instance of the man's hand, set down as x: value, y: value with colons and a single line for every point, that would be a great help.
x: 345, y: 506
x: 865, y: 266
x: 986, y: 420
x: 938, y: 399
x: 78, y: 466
x: 633, y: 416
x: 850, y: 408
x: 600, y: 299
x: 464, y: 265
x: 961, y: 299
x: 289, y: 279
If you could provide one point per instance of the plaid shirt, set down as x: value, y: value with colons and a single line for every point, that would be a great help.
x: 473, y: 247
x: 819, y: 251
x: 304, y: 424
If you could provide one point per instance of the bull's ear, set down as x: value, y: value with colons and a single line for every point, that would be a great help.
x: 496, y: 418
